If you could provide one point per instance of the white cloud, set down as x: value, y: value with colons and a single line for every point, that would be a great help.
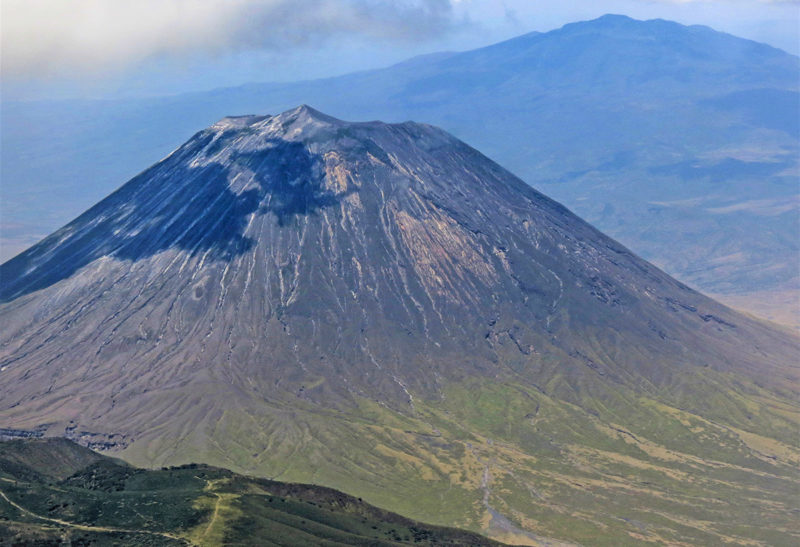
x: 42, y: 37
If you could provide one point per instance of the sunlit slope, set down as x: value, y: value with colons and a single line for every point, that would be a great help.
x: 382, y: 309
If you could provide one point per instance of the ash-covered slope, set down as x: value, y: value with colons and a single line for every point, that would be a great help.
x: 295, y: 295
x: 679, y: 141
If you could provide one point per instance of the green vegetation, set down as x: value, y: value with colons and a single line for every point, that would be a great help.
x: 66, y: 493
x: 424, y: 332
x: 620, y: 468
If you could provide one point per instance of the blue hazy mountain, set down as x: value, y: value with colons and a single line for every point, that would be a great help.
x: 680, y: 141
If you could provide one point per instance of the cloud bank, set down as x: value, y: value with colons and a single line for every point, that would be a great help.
x: 56, y: 37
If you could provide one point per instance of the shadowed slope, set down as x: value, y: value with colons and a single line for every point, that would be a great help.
x: 409, y: 322
x: 679, y: 141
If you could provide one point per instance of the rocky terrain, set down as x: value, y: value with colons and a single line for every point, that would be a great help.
x: 681, y: 142
x: 381, y: 309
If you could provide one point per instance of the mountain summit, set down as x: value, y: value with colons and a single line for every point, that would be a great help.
x: 679, y: 141
x: 380, y: 308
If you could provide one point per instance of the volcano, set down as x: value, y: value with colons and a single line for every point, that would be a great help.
x: 382, y: 309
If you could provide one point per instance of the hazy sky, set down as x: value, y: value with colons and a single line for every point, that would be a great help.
x: 59, y: 48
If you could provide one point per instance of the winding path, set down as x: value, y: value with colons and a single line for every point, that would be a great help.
x: 88, y: 528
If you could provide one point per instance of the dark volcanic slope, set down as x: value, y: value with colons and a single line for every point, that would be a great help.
x: 248, y: 300
x: 679, y: 141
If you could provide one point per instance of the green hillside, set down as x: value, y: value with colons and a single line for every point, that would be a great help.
x: 53, y: 491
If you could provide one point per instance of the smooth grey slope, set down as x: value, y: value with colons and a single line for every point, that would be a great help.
x: 326, y: 301
x: 680, y: 141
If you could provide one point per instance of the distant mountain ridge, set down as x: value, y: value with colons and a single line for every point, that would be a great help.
x: 382, y: 309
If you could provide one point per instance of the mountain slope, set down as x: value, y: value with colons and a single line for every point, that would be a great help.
x: 381, y: 309
x: 104, y: 501
x: 681, y: 142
